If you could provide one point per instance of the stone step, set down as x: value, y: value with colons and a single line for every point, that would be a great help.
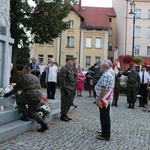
x: 18, y: 127
x: 9, y: 115
x: 10, y: 126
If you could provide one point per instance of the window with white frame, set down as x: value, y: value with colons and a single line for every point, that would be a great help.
x: 137, y: 31
x: 109, y: 46
x: 149, y: 14
x: 88, y: 42
x: 148, y: 50
x: 136, y: 50
x: 148, y: 33
x: 138, y: 13
x: 98, y: 43
x: 71, y: 24
x: 97, y: 59
x: 70, y: 41
x: 110, y: 32
x: 40, y: 58
x: 88, y: 61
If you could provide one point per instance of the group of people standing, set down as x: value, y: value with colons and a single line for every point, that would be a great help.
x: 137, y: 84
x: 104, y: 83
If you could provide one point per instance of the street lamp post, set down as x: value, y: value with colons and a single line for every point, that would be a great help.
x: 132, y: 12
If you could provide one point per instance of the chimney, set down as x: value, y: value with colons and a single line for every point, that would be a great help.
x: 79, y: 6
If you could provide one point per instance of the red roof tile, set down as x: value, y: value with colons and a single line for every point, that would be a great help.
x: 95, y: 17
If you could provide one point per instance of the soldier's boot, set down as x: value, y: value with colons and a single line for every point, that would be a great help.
x: 64, y: 118
x: 129, y: 105
x: 132, y: 106
x: 44, y: 126
x: 68, y: 117
x: 25, y: 116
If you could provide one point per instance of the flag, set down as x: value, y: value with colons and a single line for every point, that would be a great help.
x: 116, y: 63
x: 105, y: 99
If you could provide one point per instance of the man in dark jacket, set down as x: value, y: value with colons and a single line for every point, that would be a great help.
x: 96, y: 69
x: 29, y: 85
x: 35, y: 69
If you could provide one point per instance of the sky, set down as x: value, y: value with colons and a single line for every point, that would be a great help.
x: 94, y: 3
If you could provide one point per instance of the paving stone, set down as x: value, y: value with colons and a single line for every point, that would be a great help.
x: 130, y: 129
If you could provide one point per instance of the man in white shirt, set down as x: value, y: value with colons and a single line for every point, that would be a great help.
x: 42, y: 67
x: 144, y: 80
x: 111, y: 71
x: 104, y: 90
x: 51, y: 73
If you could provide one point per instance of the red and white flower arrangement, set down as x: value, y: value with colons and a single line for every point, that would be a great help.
x: 44, y: 110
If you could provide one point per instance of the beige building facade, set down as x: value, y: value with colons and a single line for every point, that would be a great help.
x: 87, y: 43
x: 124, y: 28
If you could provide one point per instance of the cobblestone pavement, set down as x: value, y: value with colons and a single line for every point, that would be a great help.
x: 130, y: 130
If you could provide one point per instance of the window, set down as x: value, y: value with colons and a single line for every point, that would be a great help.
x: 50, y: 43
x: 70, y: 41
x: 148, y: 34
x: 97, y: 59
x: 110, y: 32
x: 49, y: 56
x: 148, y: 50
x: 138, y: 13
x: 98, y: 43
x: 110, y: 20
x: 137, y: 50
x: 149, y: 14
x: 109, y: 46
x: 40, y: 58
x: 71, y: 24
x: 88, y: 61
x: 137, y: 31
x: 88, y: 42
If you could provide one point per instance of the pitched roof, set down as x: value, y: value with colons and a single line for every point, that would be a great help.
x: 95, y: 17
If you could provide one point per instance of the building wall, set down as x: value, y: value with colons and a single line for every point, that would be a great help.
x: 124, y: 24
x: 59, y: 49
x: 112, y: 38
x: 74, y: 32
x: 120, y: 9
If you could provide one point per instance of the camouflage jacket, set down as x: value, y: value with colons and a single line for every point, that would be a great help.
x: 67, y: 78
x: 30, y: 86
x: 133, y: 79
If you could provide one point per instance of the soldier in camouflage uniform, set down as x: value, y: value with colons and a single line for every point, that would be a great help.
x: 67, y: 84
x: 31, y: 95
x: 133, y: 82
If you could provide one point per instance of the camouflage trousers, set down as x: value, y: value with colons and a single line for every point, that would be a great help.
x: 32, y: 108
x: 66, y: 101
x: 131, y: 94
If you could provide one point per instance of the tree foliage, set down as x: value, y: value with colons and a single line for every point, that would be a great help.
x: 45, y: 21
x: 137, y: 60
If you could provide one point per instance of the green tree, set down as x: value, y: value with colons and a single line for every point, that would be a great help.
x: 45, y: 21
x: 138, y: 60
